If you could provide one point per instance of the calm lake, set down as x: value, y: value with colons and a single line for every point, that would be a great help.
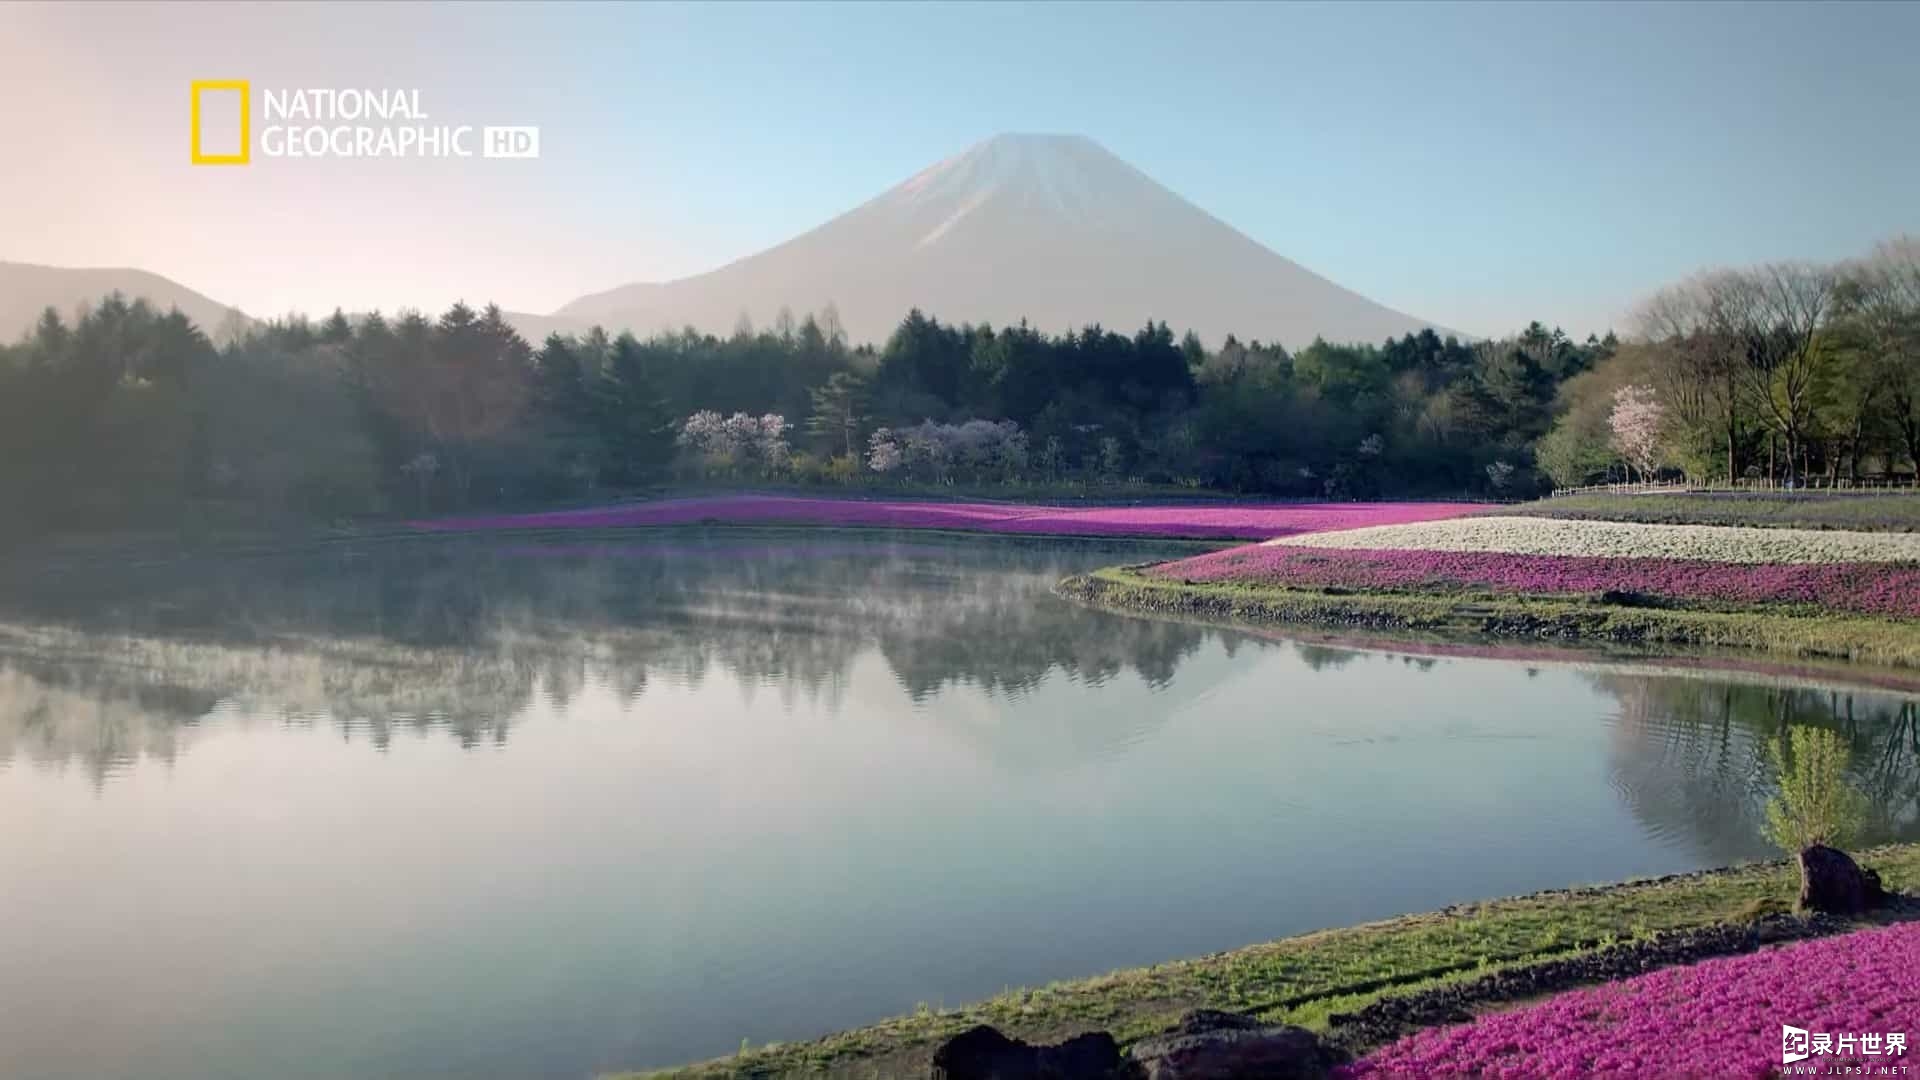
x: 519, y: 806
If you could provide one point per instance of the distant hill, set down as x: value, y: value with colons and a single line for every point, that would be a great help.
x: 1050, y: 228
x: 535, y: 328
x: 27, y: 289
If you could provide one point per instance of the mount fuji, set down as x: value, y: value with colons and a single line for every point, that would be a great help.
x: 1053, y: 229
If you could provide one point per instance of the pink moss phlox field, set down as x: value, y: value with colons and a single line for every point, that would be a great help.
x: 1873, y: 588
x: 1718, y: 1018
x: 1241, y: 521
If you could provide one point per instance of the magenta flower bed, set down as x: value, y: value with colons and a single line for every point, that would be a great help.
x: 1718, y: 1018
x: 1260, y: 521
x: 1874, y: 588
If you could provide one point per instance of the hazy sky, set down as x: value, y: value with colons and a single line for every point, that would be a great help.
x: 1474, y: 165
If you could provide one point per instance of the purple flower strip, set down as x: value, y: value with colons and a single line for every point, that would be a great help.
x: 1874, y: 588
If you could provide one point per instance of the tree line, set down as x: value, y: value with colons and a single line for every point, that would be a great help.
x: 124, y: 414
x: 1788, y: 372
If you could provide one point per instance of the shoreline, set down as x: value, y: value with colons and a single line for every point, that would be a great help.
x: 1680, y: 661
x: 1216, y: 522
x: 1563, y: 620
x: 1410, y: 961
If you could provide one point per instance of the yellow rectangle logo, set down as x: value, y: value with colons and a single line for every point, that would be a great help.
x: 246, y: 122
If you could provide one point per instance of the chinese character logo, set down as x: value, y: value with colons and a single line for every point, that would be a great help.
x: 1793, y: 1044
x: 1799, y: 1044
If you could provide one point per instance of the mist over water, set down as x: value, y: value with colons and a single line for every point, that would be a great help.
x: 525, y: 806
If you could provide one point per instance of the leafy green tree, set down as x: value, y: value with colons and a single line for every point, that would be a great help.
x: 1513, y: 389
x: 1816, y: 803
x: 1878, y: 301
x: 1574, y: 452
x: 838, y: 411
x: 336, y: 330
x: 1344, y: 375
x: 1194, y: 352
x: 635, y: 424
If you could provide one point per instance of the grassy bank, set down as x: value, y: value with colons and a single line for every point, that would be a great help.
x: 1855, y: 638
x: 1306, y: 979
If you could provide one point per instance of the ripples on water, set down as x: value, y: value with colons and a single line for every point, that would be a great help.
x: 506, y: 808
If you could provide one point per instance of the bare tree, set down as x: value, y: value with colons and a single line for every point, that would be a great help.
x: 1696, y: 357
x: 1777, y: 311
x: 830, y: 326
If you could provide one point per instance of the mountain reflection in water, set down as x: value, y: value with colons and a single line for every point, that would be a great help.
x: 508, y: 807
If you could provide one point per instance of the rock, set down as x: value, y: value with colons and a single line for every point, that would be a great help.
x: 1093, y: 1056
x: 1196, y: 1021
x: 983, y: 1053
x: 1211, y: 1045
x: 1832, y: 882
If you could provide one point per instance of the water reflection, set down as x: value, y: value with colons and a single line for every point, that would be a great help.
x: 1690, y: 756
x: 100, y: 667
x: 530, y: 809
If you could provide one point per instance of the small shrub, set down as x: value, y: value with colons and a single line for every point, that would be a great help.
x: 843, y: 469
x: 806, y: 468
x: 1816, y: 804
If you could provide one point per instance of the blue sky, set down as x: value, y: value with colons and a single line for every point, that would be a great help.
x: 1477, y: 165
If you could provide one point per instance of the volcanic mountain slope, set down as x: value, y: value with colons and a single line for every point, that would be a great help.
x: 1050, y: 228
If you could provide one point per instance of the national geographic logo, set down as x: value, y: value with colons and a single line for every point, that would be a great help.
x: 232, y: 99
x: 325, y: 122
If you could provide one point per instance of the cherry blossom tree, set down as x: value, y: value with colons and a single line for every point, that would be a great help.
x: 883, y: 451
x: 1636, y: 420
x: 987, y: 450
x: 736, y: 442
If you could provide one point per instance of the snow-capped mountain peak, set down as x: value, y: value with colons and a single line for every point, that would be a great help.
x: 1053, y: 229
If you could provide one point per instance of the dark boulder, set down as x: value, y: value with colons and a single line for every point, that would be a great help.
x: 1093, y: 1056
x: 1876, y: 893
x: 983, y: 1053
x: 1628, y: 598
x: 1197, y: 1021
x: 1211, y: 1045
x: 1831, y: 882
